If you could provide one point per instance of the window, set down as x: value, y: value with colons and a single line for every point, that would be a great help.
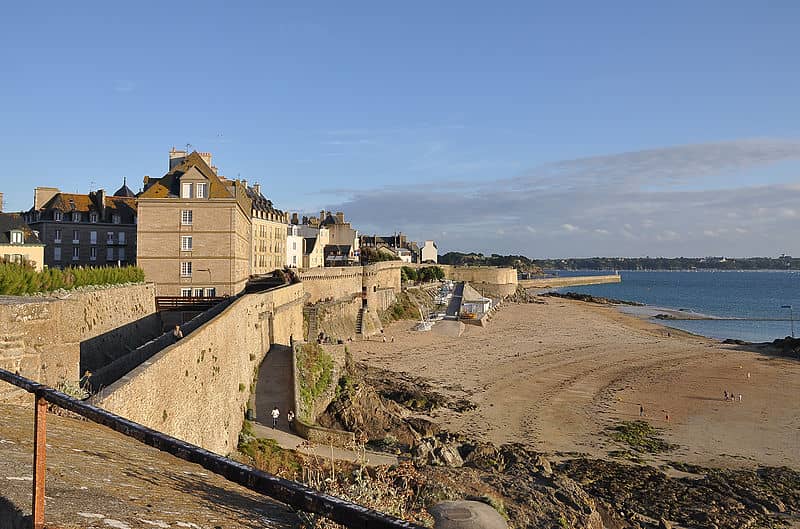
x: 57, y: 216
x: 75, y: 236
x: 109, y: 254
x: 56, y: 254
x: 186, y: 243
x: 92, y: 237
x: 186, y: 190
x: 186, y: 292
x: 109, y: 237
x: 294, y: 260
x: 16, y: 237
x: 211, y: 292
x: 93, y: 217
x: 115, y: 219
x: 76, y: 253
x: 198, y: 292
x: 121, y: 237
x: 294, y: 245
x: 122, y: 254
x: 58, y: 236
x: 76, y: 216
x: 186, y: 217
x: 186, y: 269
x: 93, y: 253
x: 201, y: 191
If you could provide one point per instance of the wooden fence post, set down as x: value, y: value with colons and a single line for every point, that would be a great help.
x: 39, y: 456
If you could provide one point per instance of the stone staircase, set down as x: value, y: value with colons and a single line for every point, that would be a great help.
x: 360, y: 322
x: 310, y: 314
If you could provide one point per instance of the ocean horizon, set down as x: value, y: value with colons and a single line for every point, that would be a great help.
x: 749, y: 305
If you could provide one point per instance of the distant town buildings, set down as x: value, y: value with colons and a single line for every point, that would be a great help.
x: 429, y: 253
x: 85, y: 230
x: 18, y: 242
x: 193, y: 231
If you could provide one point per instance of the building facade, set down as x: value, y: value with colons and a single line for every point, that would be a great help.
x: 294, y: 247
x: 269, y: 227
x: 429, y: 253
x: 194, y: 230
x: 19, y: 243
x: 85, y: 230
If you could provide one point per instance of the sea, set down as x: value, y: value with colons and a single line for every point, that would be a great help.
x: 750, y: 305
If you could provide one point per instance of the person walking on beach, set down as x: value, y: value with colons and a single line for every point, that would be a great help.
x: 641, y: 410
x: 726, y: 394
x: 740, y: 397
x: 275, y: 414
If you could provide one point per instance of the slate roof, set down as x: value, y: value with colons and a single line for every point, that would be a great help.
x: 308, y: 247
x: 14, y: 221
x: 124, y: 191
x: 169, y: 184
x: 260, y: 202
x: 125, y: 207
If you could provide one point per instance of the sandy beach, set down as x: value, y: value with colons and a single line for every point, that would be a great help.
x: 555, y: 376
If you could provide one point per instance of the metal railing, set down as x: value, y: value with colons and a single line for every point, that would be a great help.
x: 289, y: 492
x: 187, y: 302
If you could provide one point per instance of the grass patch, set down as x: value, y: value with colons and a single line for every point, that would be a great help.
x: 640, y: 436
x: 403, y: 308
x: 268, y: 456
x: 315, y: 375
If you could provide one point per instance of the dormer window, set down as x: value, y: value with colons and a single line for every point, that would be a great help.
x: 201, y: 191
x: 17, y: 237
x: 186, y: 190
x: 115, y: 219
x: 57, y: 216
x: 93, y: 217
x: 76, y: 216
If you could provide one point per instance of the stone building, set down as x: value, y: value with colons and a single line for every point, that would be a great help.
x: 194, y: 230
x: 85, y: 230
x: 201, y: 234
x: 269, y: 233
x: 18, y: 242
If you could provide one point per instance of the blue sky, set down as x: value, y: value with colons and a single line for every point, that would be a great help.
x: 678, y: 120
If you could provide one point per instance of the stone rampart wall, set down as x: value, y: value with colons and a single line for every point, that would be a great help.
x: 55, y: 339
x: 481, y: 274
x: 197, y: 389
x: 331, y: 284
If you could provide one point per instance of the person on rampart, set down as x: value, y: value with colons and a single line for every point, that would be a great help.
x: 275, y: 414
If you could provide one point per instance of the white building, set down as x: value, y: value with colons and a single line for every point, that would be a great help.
x: 294, y: 247
x: 429, y: 253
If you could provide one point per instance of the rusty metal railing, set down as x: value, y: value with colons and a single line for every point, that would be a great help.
x: 289, y: 492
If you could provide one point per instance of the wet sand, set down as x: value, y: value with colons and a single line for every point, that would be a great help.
x: 555, y: 376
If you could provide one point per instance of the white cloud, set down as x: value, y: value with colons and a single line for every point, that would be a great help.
x: 608, y: 193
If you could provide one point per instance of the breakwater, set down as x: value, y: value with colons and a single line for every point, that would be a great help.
x: 560, y: 282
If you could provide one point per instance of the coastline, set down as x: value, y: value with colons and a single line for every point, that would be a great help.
x: 556, y: 376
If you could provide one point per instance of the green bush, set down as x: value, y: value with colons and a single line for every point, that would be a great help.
x: 20, y: 279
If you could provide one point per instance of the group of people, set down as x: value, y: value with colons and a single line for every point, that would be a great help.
x: 731, y: 396
x: 276, y: 414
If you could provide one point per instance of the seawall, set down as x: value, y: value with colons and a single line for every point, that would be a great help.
x: 59, y: 338
x: 559, y: 282
x: 197, y: 388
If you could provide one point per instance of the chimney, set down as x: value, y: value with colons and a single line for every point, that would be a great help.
x: 340, y: 217
x: 294, y: 218
x: 101, y: 204
x: 176, y: 158
x: 41, y: 195
x: 257, y: 188
x: 321, y: 215
x: 305, y: 220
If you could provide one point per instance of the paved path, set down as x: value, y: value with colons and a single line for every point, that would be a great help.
x: 454, y: 308
x: 274, y: 388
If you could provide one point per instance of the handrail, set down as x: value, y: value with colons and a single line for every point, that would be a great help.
x: 289, y: 492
